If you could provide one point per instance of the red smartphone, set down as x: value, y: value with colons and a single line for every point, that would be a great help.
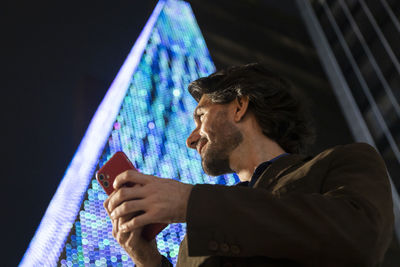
x: 117, y: 164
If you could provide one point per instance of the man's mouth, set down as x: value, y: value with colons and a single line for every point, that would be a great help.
x: 200, y: 145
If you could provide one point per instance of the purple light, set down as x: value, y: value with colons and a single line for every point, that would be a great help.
x: 117, y: 126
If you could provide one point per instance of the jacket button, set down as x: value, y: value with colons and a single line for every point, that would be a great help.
x: 235, y: 249
x: 224, y: 247
x: 213, y: 246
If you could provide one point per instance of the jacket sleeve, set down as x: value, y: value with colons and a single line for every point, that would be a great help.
x: 349, y: 221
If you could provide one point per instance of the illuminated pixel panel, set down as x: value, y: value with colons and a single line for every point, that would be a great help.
x: 151, y: 124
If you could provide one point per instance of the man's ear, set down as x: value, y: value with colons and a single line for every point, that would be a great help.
x: 241, y: 105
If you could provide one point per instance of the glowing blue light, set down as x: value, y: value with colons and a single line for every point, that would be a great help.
x: 151, y: 125
x: 176, y: 92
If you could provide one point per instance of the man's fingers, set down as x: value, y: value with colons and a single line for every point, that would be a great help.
x: 130, y: 176
x: 115, y: 228
x: 121, y: 237
x: 128, y: 207
x: 116, y: 231
x: 105, y: 203
x: 136, y: 222
x: 124, y: 194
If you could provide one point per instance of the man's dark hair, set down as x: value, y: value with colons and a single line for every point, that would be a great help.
x: 271, y: 99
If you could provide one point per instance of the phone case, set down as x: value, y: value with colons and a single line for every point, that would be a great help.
x: 117, y: 164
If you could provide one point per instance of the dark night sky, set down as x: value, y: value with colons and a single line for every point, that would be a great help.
x: 58, y: 61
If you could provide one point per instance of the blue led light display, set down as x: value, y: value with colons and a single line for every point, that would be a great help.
x: 151, y: 126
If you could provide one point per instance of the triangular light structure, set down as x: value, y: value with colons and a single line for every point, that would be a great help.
x: 147, y: 113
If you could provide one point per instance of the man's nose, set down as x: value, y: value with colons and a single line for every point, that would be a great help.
x: 191, y: 141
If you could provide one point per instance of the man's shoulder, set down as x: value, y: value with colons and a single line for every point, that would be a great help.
x: 348, y: 150
x: 333, y: 166
x: 349, y: 154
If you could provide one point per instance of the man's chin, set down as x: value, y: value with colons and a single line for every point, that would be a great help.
x: 215, y: 169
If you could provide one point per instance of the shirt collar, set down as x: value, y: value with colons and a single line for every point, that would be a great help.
x: 261, y: 168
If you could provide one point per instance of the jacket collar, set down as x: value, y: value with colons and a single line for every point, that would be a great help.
x: 278, y: 169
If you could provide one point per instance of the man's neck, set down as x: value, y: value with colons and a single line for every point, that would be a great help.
x: 247, y: 156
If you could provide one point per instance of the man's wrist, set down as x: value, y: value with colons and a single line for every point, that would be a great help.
x: 155, y: 261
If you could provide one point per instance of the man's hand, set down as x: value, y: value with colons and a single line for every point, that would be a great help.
x: 161, y: 200
x: 142, y: 252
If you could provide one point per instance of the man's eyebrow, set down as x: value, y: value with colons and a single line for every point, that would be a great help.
x: 196, y: 109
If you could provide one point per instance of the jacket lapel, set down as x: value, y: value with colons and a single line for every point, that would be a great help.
x: 278, y: 168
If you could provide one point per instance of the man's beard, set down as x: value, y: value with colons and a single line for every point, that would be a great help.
x: 215, y: 160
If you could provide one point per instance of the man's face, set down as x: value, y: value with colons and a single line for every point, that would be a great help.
x: 215, y: 136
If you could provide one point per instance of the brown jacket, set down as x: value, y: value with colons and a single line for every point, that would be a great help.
x: 331, y: 210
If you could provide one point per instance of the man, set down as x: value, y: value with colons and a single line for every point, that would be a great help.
x: 334, y: 209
